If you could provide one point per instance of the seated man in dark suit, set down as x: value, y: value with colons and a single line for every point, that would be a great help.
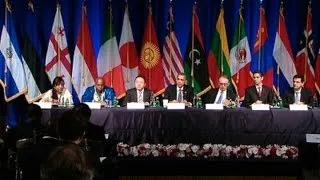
x: 297, y: 94
x: 138, y: 94
x: 98, y: 93
x: 179, y: 92
x: 258, y: 93
x: 220, y: 95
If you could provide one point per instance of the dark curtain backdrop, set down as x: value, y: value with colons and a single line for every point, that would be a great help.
x: 208, y: 11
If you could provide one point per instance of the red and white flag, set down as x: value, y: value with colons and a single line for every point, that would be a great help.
x: 84, y: 69
x: 58, y: 58
x: 172, y: 59
x: 109, y: 62
x: 128, y: 52
x: 305, y: 58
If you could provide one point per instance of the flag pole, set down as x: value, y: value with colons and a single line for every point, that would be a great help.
x: 238, y: 37
x: 149, y: 39
x: 7, y: 9
x: 278, y: 67
x: 59, y: 39
x: 192, y: 44
x: 110, y: 35
x: 84, y: 12
x: 128, y: 49
x: 221, y: 50
x: 260, y: 38
x: 307, y: 40
x: 170, y: 42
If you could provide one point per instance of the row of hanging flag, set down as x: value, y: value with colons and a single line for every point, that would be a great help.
x: 22, y: 72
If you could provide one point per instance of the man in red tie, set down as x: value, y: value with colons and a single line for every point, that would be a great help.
x: 258, y: 93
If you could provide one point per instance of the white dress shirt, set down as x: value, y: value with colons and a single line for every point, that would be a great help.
x: 98, y: 97
x: 138, y: 93
x: 63, y: 97
x: 224, y: 96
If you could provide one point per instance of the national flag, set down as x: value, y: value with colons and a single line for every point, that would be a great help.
x: 172, y: 62
x: 219, y: 57
x: 317, y: 73
x: 109, y: 62
x: 305, y: 58
x: 128, y: 52
x: 58, y: 58
x: 150, y: 65
x: 240, y: 57
x: 36, y: 77
x: 12, y: 76
x: 282, y: 51
x: 84, y: 69
x: 260, y: 61
x: 195, y: 65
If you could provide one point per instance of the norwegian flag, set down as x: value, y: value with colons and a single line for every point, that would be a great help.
x: 58, y: 58
x: 305, y: 59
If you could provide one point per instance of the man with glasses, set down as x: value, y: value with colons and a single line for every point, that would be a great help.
x: 258, y: 93
x: 220, y: 95
x: 297, y: 94
x: 179, y: 92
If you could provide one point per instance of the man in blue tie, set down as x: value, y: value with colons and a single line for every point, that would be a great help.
x: 297, y: 94
x: 179, y: 92
x: 220, y: 95
x: 99, y: 93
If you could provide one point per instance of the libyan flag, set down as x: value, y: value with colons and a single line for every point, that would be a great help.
x: 195, y: 66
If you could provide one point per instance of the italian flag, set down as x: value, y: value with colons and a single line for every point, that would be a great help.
x: 109, y: 62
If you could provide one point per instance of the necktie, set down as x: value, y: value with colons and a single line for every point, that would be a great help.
x: 180, y: 96
x: 296, y: 97
x: 140, y: 99
x: 259, y: 91
x: 220, y: 98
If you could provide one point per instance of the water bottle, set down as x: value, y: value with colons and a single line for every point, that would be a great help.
x: 315, y: 101
x: 115, y: 102
x: 194, y: 101
x: 66, y: 103
x: 237, y: 103
x: 157, y: 103
x: 62, y: 101
x: 199, y: 102
x: 280, y: 104
x: 275, y: 101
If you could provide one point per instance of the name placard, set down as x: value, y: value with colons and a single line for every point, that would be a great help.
x: 94, y: 105
x: 214, y: 106
x: 260, y: 107
x: 135, y: 105
x: 44, y: 105
x: 313, y: 138
x: 298, y: 107
x: 176, y: 106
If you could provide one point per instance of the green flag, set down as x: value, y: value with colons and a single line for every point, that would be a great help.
x: 195, y: 66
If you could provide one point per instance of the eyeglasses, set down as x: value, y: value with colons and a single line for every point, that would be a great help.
x: 223, y: 84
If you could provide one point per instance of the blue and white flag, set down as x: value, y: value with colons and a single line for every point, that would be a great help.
x: 12, y: 76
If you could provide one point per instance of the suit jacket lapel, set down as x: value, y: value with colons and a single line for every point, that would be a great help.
x: 134, y: 96
x: 145, y: 95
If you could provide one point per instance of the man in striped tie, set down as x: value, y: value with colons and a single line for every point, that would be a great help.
x: 140, y: 93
